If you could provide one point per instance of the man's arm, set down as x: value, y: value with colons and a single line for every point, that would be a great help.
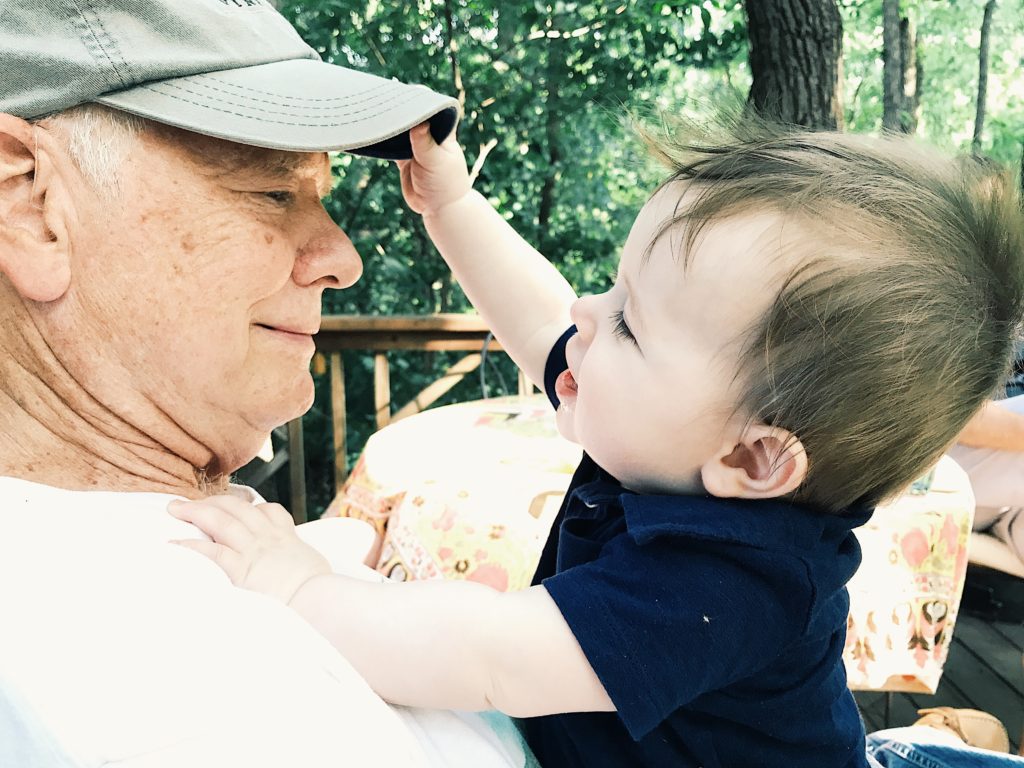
x: 994, y: 427
x: 523, y: 299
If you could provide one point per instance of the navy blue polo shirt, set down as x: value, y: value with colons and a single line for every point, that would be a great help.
x: 715, y: 625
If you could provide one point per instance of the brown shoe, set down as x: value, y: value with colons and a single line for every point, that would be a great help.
x: 973, y: 727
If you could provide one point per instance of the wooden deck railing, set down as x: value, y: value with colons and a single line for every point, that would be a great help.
x: 378, y: 335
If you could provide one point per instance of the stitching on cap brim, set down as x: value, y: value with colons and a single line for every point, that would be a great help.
x: 345, y: 109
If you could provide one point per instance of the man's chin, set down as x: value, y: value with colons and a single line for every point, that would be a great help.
x: 246, y: 444
x: 292, y: 398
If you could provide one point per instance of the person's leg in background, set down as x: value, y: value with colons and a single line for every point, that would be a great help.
x: 943, y: 739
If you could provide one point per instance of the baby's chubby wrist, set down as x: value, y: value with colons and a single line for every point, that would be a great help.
x: 306, y: 594
x: 455, y: 209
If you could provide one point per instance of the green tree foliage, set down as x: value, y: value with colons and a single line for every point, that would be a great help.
x: 948, y: 35
x: 549, y: 81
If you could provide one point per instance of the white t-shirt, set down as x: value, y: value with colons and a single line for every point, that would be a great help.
x: 132, y: 652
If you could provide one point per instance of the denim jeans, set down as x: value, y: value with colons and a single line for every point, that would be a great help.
x: 928, y: 748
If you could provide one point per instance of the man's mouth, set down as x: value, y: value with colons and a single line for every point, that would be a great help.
x: 565, y: 385
x: 291, y: 336
x: 294, y: 331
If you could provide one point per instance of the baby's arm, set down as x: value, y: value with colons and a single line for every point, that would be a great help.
x: 521, y: 296
x: 449, y: 645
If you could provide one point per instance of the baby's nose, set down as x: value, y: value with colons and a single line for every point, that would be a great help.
x: 582, y: 313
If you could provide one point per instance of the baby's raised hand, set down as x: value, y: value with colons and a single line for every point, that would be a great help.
x: 437, y: 175
x: 256, y: 545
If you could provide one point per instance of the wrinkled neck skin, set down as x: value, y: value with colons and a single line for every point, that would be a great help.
x: 54, y: 432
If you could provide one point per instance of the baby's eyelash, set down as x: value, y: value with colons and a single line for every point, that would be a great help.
x: 621, y: 329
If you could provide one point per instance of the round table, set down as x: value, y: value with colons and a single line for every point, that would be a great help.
x: 466, y: 491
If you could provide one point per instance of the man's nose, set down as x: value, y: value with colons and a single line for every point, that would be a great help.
x: 328, y: 258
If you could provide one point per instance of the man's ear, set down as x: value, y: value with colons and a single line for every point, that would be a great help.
x: 34, y: 245
x: 766, y: 463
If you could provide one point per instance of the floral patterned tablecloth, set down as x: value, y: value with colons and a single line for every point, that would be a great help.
x: 466, y: 491
x: 469, y: 491
x: 905, y: 596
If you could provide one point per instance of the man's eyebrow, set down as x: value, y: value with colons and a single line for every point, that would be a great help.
x: 283, y: 165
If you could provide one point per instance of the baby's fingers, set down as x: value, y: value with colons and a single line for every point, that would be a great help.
x: 408, y: 189
x: 233, y: 564
x: 276, y: 515
x: 422, y: 142
x: 225, y: 523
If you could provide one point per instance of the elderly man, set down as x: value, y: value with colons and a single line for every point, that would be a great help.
x: 163, y: 252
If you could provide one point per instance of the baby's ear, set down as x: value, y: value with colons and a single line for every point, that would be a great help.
x: 766, y: 463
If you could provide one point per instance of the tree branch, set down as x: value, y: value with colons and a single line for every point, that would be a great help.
x: 979, y: 114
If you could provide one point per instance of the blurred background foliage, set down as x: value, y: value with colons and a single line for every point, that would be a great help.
x: 547, y: 83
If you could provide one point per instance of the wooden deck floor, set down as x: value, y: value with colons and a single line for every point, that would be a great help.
x: 983, y: 671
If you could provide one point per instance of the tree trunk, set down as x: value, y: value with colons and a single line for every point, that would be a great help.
x: 453, y: 56
x: 912, y: 77
x: 979, y: 114
x: 795, y: 60
x: 892, y: 66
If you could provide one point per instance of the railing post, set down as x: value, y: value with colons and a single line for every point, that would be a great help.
x: 297, y: 470
x: 429, y: 333
x: 339, y: 419
x: 381, y: 389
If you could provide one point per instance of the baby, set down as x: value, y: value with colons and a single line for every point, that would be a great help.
x: 800, y: 325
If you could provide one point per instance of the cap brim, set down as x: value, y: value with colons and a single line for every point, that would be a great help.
x: 300, y: 105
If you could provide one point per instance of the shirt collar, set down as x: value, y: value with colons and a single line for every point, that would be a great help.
x: 766, y: 523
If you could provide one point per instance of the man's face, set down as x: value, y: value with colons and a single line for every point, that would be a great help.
x: 197, y: 290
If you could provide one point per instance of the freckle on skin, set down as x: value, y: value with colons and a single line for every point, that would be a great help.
x: 188, y: 243
x: 268, y: 237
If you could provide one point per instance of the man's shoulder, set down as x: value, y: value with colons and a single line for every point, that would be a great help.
x: 64, y: 513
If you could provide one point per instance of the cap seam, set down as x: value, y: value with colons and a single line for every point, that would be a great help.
x: 258, y: 118
x: 340, y: 101
x: 97, y: 43
x: 213, y: 76
x: 206, y: 105
x: 115, y: 50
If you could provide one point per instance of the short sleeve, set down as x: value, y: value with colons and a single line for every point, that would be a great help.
x: 556, y: 364
x: 670, y: 619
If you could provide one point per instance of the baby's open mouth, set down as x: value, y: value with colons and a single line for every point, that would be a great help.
x: 565, y: 385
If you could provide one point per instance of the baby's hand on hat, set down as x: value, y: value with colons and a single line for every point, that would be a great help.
x: 437, y: 175
x: 256, y: 545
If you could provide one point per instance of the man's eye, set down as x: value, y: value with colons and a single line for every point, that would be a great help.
x: 621, y: 329
x: 280, y: 197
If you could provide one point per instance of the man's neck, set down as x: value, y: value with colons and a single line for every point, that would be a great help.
x: 53, y: 432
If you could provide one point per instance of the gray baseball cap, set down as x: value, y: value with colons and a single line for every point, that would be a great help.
x: 234, y: 69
